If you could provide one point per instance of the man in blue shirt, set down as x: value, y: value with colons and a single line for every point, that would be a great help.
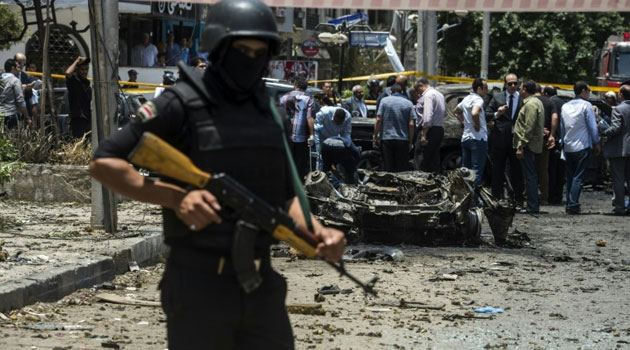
x: 333, y: 128
x: 395, y: 124
x: 579, y: 138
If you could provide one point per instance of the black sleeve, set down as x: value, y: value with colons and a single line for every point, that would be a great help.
x: 26, y: 79
x: 71, y: 82
x: 554, y: 109
x: 163, y: 116
x: 492, y: 108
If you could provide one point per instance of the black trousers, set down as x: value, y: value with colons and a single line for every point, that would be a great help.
x: 556, y: 177
x: 501, y: 158
x: 301, y: 157
x: 431, y: 161
x: 206, y: 310
x: 339, y: 155
x: 11, y: 121
x: 395, y: 155
x: 79, y: 127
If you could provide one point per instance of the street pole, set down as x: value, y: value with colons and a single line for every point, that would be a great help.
x: 43, y: 32
x: 431, y: 40
x: 104, y: 27
x: 485, y: 42
x: 420, y: 50
x: 403, y: 20
x: 340, y: 82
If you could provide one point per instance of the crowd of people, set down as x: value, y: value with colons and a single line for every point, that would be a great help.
x: 19, y: 91
x: 525, y: 143
x: 159, y: 54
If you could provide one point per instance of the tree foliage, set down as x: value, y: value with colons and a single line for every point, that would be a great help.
x: 11, y: 25
x: 547, y: 47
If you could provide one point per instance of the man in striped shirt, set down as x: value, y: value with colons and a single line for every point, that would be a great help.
x: 299, y: 106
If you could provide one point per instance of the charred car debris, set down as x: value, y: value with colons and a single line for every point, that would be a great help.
x: 410, y: 207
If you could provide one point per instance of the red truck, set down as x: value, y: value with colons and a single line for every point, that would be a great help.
x: 611, y: 65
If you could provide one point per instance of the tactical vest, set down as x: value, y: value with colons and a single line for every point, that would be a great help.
x: 241, y: 140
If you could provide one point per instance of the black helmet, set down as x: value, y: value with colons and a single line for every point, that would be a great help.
x: 240, y: 18
x: 373, y: 82
x: 168, y: 78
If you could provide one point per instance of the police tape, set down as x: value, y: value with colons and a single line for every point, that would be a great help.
x: 441, y: 78
x: 450, y: 79
x: 120, y: 82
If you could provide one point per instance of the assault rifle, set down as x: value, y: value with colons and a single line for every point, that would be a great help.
x: 155, y: 154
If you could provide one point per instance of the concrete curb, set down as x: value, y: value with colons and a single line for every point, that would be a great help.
x: 54, y: 284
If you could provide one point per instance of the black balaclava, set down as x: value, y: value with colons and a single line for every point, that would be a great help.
x: 239, y: 72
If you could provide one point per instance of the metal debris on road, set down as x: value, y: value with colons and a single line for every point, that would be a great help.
x: 117, y: 299
x: 54, y: 326
x: 306, y: 309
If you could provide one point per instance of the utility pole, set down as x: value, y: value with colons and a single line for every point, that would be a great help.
x: 43, y: 33
x: 420, y: 49
x: 403, y: 21
x: 431, y: 40
x: 104, y: 36
x: 485, y: 43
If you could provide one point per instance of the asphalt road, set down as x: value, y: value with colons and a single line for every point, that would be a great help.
x: 564, y: 288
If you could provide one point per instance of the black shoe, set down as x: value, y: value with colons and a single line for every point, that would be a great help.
x: 573, y: 211
x: 615, y: 212
x: 527, y: 211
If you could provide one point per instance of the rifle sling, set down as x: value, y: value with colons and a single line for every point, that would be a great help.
x: 243, y: 256
x: 297, y: 184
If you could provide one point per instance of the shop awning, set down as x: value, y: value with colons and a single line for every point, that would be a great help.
x: 447, y: 5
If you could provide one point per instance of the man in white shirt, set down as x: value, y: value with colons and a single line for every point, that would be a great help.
x: 145, y: 53
x: 579, y: 137
x: 475, y: 136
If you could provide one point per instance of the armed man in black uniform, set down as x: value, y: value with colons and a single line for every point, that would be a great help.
x: 223, y: 123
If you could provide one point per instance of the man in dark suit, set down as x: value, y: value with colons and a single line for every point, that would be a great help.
x: 355, y: 104
x: 26, y: 80
x: 501, y: 115
x: 617, y: 150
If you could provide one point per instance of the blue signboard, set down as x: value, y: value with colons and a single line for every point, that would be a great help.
x: 368, y: 39
x: 349, y: 19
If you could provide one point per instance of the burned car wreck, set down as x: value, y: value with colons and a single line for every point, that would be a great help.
x: 410, y: 207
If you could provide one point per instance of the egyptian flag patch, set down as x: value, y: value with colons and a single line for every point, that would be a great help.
x: 147, y: 112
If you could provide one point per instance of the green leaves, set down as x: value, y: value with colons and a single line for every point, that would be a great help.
x: 546, y: 47
x: 11, y: 25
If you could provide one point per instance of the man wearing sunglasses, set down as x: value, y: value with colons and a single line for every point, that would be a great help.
x: 501, y: 114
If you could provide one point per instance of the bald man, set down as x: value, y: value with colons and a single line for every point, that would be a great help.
x: 26, y: 80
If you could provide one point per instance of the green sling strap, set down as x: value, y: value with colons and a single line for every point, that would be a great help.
x: 297, y: 184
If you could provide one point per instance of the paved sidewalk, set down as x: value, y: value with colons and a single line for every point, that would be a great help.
x: 53, y: 251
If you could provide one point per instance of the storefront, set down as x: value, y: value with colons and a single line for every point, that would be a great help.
x: 183, y: 19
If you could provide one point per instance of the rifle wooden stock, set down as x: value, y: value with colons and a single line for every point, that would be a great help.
x: 155, y: 154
